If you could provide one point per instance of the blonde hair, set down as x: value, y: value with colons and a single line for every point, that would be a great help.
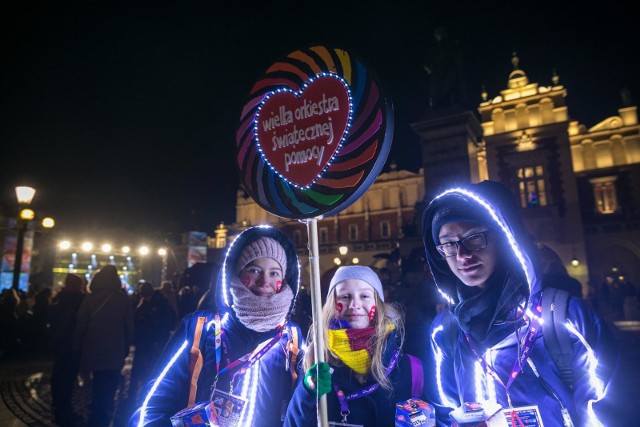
x: 387, y: 314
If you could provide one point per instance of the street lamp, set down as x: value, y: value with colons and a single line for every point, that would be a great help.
x: 25, y: 196
x: 344, y: 250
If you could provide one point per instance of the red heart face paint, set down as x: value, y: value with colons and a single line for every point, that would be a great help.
x: 355, y: 303
x: 262, y: 276
x: 372, y: 313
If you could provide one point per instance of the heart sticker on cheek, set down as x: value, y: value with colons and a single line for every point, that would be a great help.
x: 278, y: 286
x: 339, y: 308
x: 372, y: 313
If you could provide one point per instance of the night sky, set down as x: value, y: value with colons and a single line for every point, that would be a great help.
x: 123, y: 114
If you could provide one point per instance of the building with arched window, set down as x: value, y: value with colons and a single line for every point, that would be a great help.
x: 578, y: 187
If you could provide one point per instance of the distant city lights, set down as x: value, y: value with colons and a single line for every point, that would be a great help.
x: 86, y: 258
x: 27, y: 214
x: 48, y: 222
x: 108, y: 249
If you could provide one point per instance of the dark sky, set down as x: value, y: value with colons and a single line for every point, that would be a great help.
x: 124, y: 113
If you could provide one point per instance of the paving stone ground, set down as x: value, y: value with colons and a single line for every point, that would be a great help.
x: 25, y: 394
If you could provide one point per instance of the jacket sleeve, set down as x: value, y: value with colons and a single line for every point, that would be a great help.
x: 442, y: 390
x: 168, y: 392
x: 302, y: 409
x: 595, y: 364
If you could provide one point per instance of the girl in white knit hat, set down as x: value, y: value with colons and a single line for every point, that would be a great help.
x: 365, y: 373
x: 241, y: 350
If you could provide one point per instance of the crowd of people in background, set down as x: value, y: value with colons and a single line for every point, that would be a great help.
x: 87, y: 329
x: 90, y: 328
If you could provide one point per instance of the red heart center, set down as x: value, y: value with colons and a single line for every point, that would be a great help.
x: 299, y: 132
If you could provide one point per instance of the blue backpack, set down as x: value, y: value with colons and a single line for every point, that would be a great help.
x: 556, y: 335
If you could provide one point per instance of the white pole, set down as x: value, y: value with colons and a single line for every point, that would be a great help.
x: 316, y: 306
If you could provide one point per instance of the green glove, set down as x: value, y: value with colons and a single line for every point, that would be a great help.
x: 318, y: 379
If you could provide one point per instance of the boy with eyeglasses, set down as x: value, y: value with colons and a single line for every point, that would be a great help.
x: 489, y: 358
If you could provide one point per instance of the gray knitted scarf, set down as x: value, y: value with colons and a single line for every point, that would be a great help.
x: 260, y: 313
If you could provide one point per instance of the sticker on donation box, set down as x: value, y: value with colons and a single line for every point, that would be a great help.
x: 527, y: 416
x: 414, y: 412
x: 314, y: 134
x: 229, y: 408
x: 202, y: 414
x: 485, y: 414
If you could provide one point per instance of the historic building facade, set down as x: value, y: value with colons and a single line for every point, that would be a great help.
x: 375, y: 224
x: 579, y: 188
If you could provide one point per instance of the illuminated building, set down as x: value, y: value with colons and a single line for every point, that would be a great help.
x: 577, y: 187
x: 376, y: 223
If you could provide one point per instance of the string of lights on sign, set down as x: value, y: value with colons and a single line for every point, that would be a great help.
x: 303, y: 111
x: 314, y: 134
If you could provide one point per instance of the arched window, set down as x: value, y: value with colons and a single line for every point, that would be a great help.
x: 324, y: 234
x: 385, y: 229
x: 604, y: 193
x: 353, y: 232
x: 531, y: 186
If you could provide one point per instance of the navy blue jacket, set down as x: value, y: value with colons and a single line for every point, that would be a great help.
x: 271, y: 375
x: 375, y: 409
x: 458, y: 378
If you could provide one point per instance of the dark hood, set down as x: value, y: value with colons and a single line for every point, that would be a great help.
x: 291, y: 275
x: 497, y: 208
x: 106, y: 280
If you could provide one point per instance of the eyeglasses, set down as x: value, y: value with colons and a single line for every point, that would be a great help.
x: 474, y: 242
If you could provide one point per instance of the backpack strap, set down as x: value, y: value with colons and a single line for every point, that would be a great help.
x: 292, y: 348
x: 195, y: 360
x: 555, y: 333
x: 417, y: 376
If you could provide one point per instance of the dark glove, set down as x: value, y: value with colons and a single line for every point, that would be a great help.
x: 318, y: 379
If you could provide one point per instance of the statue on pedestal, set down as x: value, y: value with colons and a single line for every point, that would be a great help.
x: 444, y: 65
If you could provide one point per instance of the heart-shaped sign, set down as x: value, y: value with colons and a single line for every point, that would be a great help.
x: 299, y: 132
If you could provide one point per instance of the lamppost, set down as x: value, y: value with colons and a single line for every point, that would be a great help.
x: 24, y: 195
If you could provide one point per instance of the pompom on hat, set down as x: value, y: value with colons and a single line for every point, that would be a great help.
x: 357, y: 272
x: 260, y: 248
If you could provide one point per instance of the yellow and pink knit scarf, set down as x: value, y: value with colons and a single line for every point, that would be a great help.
x: 353, y: 346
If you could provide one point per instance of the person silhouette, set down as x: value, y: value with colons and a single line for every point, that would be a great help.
x: 103, y: 335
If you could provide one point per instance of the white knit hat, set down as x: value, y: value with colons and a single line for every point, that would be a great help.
x: 260, y: 248
x: 359, y: 272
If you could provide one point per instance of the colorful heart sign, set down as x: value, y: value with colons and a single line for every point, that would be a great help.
x: 313, y: 134
x: 299, y: 132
